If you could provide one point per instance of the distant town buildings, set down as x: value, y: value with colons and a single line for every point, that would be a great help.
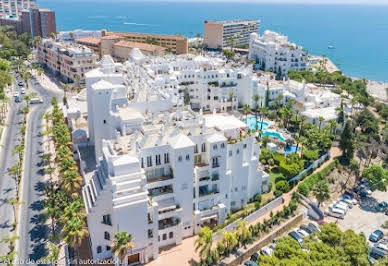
x: 173, y: 43
x: 77, y: 34
x: 119, y: 47
x: 273, y: 52
x: 35, y: 21
x: 230, y: 33
x: 13, y: 8
x: 67, y: 60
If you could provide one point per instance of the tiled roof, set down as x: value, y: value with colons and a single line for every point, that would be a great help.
x: 141, y: 46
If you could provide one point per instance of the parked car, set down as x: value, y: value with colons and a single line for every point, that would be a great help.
x: 255, y: 256
x: 377, y: 253
x: 349, y: 198
x: 266, y: 251
x: 21, y: 83
x: 382, y: 206
x: 23, y: 91
x: 381, y: 246
x: 348, y: 201
x: 250, y: 263
x: 315, y: 225
x: 307, y: 228
x: 376, y: 236
x: 296, y: 236
x: 302, y: 233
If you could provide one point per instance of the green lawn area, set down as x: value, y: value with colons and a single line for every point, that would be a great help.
x: 275, y: 173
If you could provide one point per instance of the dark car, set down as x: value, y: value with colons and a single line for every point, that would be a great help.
x: 382, y: 206
x: 376, y: 236
x: 250, y: 263
x: 377, y: 253
x: 307, y: 229
x: 296, y: 236
x: 255, y: 256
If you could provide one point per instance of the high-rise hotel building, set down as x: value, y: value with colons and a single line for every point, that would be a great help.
x: 220, y: 34
x: 13, y: 8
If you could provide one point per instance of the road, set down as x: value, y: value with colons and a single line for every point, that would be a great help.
x: 7, y: 160
x: 33, y: 233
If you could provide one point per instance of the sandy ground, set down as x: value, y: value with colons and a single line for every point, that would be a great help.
x: 378, y: 90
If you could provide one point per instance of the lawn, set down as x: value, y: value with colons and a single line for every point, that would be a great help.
x: 273, y: 174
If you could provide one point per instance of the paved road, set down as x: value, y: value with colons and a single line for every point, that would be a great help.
x: 7, y: 160
x: 33, y: 234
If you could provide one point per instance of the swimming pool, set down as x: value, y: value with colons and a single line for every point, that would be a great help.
x: 273, y: 134
x: 290, y: 149
x: 251, y: 122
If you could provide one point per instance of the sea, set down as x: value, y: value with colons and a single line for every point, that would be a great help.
x: 359, y: 33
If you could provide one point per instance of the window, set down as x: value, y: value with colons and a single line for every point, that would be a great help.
x: 215, y: 147
x: 179, y: 158
x: 245, y: 146
x: 171, y: 235
x: 99, y: 249
x: 157, y: 159
x: 107, y: 248
x: 230, y: 153
x: 238, y: 151
x: 142, y: 162
x: 166, y: 158
x: 222, y: 145
x: 106, y: 235
x: 164, y: 236
x: 106, y: 219
x: 149, y: 161
x: 187, y: 157
x: 203, y: 147
x: 196, y: 148
x: 215, y: 162
x: 104, y: 121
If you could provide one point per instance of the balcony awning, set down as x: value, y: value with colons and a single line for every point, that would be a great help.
x: 167, y: 204
x: 214, y: 216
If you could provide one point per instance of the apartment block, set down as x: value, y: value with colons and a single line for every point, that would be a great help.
x: 273, y: 52
x: 230, y: 33
x: 35, y: 21
x: 68, y: 61
x: 13, y: 8
x: 173, y: 43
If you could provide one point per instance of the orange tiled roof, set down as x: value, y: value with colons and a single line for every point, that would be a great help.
x: 89, y: 40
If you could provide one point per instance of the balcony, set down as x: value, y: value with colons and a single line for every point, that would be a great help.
x: 169, y: 222
x: 207, y: 192
x: 215, y: 165
x: 154, y: 192
x: 159, y: 174
x: 215, y: 177
x: 232, y: 84
x: 159, y: 178
x: 205, y: 178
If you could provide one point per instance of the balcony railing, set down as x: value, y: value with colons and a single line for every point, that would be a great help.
x: 160, y: 191
x: 159, y: 178
x: 205, y: 178
x: 208, y: 192
x: 163, y: 224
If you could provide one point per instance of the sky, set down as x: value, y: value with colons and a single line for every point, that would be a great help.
x: 359, y: 2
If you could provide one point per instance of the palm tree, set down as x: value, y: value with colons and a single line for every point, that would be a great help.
x: 16, y: 171
x: 71, y: 182
x: 74, y: 231
x: 333, y: 126
x: 26, y: 75
x: 74, y: 209
x: 15, y: 202
x: 320, y: 120
x: 122, y: 245
x: 246, y: 110
x: 204, y: 243
x: 53, y: 35
x: 321, y: 191
x: 229, y: 241
x: 53, y: 253
x: 243, y: 232
x: 256, y: 98
x: 78, y: 81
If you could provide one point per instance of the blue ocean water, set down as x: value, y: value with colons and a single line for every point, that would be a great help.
x: 359, y: 33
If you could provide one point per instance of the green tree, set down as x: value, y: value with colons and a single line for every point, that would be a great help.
x: 229, y: 241
x: 73, y: 232
x: 122, y: 245
x: 377, y: 177
x: 246, y: 110
x: 321, y: 191
x: 242, y: 232
x: 347, y: 141
x: 204, y: 243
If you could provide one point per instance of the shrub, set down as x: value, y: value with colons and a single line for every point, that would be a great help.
x: 310, y: 155
x: 279, y: 178
x: 282, y: 186
x: 303, y: 189
x: 277, y: 193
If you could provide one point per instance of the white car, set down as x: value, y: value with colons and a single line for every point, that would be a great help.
x: 381, y: 246
x: 23, y: 91
x: 36, y: 100
x: 302, y: 232
x: 16, y: 94
x: 348, y: 201
x: 337, y: 210
x: 266, y: 251
x: 349, y: 198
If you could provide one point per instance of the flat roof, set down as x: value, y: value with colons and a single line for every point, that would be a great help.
x: 139, y: 45
x: 165, y: 36
x: 89, y: 40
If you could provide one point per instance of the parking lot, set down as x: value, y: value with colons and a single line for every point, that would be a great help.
x: 363, y: 217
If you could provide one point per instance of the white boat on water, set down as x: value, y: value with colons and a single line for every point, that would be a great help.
x: 331, y: 47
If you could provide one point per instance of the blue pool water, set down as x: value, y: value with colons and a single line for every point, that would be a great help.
x: 290, y: 149
x: 251, y: 122
x: 273, y: 134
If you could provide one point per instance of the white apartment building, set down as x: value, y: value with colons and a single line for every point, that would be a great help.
x: 13, y: 8
x: 163, y: 170
x: 66, y: 60
x: 77, y: 34
x: 273, y: 52
x: 229, y: 33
